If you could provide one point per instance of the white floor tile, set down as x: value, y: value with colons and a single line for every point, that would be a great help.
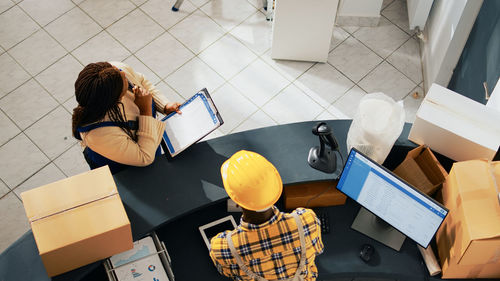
x: 228, y: 13
x: 233, y: 107
x: 72, y: 161
x: 227, y: 56
x: 101, y: 48
x: 257, y: 4
x: 27, y: 104
x: 45, y: 11
x: 160, y: 11
x: 397, y: 13
x: 139, y: 67
x: 169, y: 93
x: 386, y: 3
x: 194, y: 76
x: 197, y: 3
x: 255, y: 32
x: 16, y: 26
x: 407, y: 60
x: 9, y: 129
x: 24, y: 159
x: 52, y: 133
x: 412, y: 103
x: 188, y: 31
x: 325, y: 115
x: 138, y: 2
x: 164, y: 55
x: 350, y: 29
x: 3, y: 190
x: 288, y: 68
x: 37, y: 52
x: 5, y: 5
x: 338, y: 36
x: 348, y: 103
x: 334, y: 111
x: 324, y: 84
x: 12, y: 74
x: 388, y: 80
x: 107, y: 12
x: 292, y: 105
x: 135, y: 30
x: 60, y: 84
x: 73, y: 29
x: 257, y: 120
x: 383, y: 39
x: 70, y: 104
x: 48, y: 174
x: 353, y: 59
x: 259, y: 82
x: 13, y: 220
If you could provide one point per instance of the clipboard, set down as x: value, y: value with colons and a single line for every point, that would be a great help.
x: 199, y: 118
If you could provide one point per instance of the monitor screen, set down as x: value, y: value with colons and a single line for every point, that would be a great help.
x: 413, y: 213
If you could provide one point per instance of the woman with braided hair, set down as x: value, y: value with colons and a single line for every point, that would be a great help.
x: 114, y: 118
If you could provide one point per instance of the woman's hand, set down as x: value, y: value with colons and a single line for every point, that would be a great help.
x: 171, y: 107
x: 143, y: 100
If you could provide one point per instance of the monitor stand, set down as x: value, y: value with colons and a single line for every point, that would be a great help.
x: 374, y: 227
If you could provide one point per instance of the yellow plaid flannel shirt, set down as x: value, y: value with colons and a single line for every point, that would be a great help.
x: 272, y: 249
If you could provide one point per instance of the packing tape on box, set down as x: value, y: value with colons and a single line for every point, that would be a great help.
x: 56, y: 212
x: 458, y: 114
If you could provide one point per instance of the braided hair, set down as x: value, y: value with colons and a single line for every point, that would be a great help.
x: 98, y: 89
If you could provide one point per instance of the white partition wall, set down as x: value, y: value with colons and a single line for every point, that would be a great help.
x: 302, y: 30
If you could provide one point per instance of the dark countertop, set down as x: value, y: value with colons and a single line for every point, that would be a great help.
x: 170, y: 191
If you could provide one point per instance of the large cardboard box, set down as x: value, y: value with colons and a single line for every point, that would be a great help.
x: 421, y: 169
x: 317, y: 194
x: 456, y: 126
x: 469, y: 239
x: 78, y: 220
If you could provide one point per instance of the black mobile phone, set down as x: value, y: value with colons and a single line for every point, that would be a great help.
x: 130, y: 86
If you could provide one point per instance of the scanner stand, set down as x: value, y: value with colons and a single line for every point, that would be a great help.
x: 325, y: 158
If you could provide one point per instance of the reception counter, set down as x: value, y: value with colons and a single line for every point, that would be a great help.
x: 175, y: 196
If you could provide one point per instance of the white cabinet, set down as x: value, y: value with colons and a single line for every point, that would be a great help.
x: 302, y: 30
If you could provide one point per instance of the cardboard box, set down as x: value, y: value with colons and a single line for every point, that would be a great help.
x: 78, y: 220
x: 469, y: 239
x: 301, y: 194
x: 456, y: 126
x: 422, y: 170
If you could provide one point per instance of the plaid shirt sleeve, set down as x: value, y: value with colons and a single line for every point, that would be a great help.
x: 219, y: 253
x: 311, y: 220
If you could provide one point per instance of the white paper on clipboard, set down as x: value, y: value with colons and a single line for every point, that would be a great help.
x: 199, y: 118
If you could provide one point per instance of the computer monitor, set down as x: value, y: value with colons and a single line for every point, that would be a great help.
x: 391, y: 199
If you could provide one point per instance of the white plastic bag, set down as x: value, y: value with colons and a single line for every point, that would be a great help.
x: 377, y: 124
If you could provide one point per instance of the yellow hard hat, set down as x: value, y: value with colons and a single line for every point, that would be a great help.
x: 251, y: 181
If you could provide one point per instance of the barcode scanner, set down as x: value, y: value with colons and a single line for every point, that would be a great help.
x: 323, y: 158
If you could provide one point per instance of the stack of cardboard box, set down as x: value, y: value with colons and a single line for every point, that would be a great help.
x: 469, y: 239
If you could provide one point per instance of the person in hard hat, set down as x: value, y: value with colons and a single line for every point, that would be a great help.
x: 268, y: 244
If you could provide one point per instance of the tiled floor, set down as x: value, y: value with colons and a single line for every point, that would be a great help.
x: 223, y: 45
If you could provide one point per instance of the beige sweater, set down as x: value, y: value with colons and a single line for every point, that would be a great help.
x: 113, y: 143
